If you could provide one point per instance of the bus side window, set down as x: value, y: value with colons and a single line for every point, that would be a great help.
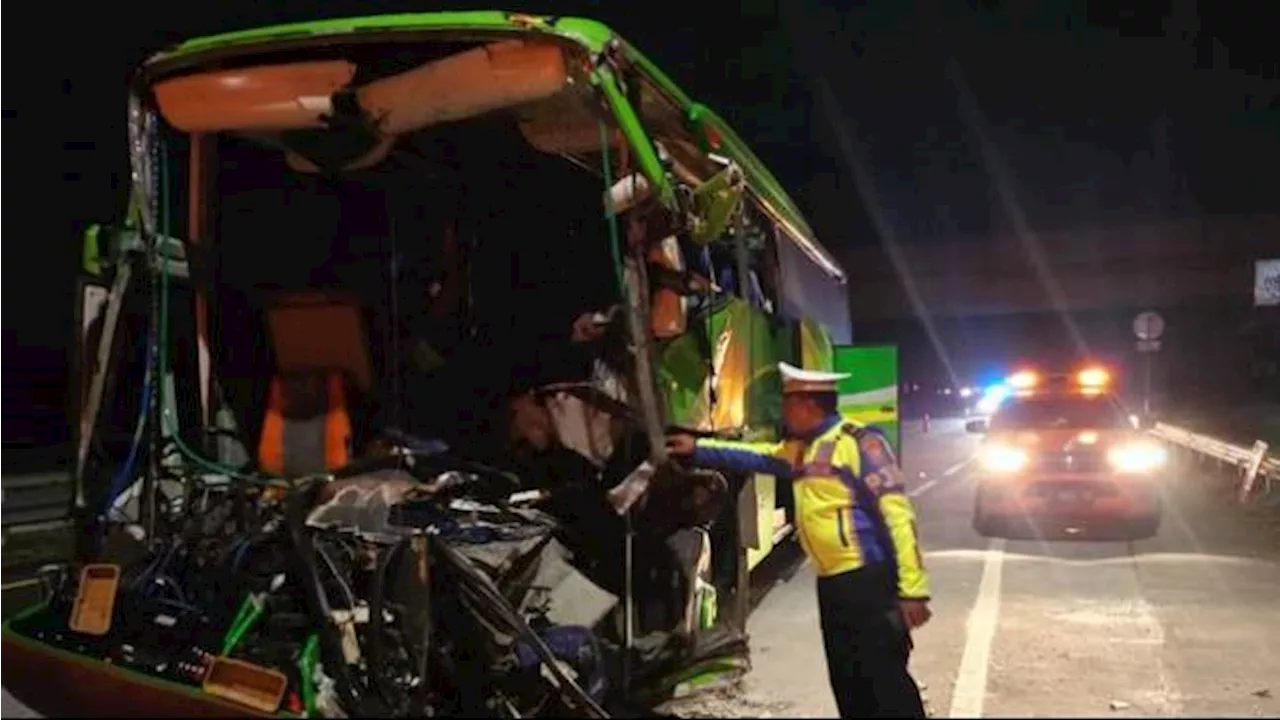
x: 768, y: 269
x: 755, y: 292
x: 725, y: 269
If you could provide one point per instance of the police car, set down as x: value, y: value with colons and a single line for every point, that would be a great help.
x: 1062, y: 448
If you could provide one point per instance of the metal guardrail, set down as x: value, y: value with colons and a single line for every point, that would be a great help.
x: 35, y: 498
x: 1253, y: 462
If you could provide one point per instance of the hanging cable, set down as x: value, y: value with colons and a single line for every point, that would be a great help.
x: 615, y: 244
x: 167, y: 423
x: 126, y: 471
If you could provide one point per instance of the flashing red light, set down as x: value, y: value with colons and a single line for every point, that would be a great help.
x: 1093, y: 377
x: 1023, y: 380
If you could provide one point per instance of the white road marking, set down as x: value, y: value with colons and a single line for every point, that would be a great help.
x: 970, y: 691
x: 958, y: 466
x: 922, y: 489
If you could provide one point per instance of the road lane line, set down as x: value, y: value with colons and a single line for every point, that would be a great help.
x: 958, y: 466
x: 922, y: 489
x: 970, y: 691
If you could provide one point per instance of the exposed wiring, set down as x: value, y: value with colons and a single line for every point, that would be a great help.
x: 477, y: 583
x: 126, y: 471
x: 179, y: 605
x: 167, y: 423
x: 337, y: 575
x: 615, y: 244
x: 156, y: 566
x: 241, y: 551
x: 172, y: 584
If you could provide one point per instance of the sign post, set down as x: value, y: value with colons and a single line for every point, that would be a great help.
x: 1148, y: 327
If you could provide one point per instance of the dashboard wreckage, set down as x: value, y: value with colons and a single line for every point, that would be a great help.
x: 373, y: 383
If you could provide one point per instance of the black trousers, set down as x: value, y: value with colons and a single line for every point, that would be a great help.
x: 867, y: 645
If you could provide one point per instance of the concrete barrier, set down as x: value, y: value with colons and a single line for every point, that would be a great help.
x: 35, y: 497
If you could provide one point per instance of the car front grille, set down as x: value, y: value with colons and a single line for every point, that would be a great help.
x: 1083, y: 489
x: 1074, y: 461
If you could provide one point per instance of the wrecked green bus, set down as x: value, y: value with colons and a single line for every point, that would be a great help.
x: 384, y: 356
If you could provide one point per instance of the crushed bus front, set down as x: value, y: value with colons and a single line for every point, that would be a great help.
x: 414, y: 300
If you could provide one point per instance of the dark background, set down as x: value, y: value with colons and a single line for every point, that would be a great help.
x: 1101, y: 112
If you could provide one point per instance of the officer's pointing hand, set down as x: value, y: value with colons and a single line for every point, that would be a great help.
x: 680, y: 444
x: 915, y: 612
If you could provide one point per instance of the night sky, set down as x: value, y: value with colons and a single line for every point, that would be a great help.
x: 1101, y: 115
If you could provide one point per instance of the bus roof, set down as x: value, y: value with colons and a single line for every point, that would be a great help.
x: 591, y: 35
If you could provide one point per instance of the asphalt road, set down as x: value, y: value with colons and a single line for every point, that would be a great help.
x: 1184, y: 624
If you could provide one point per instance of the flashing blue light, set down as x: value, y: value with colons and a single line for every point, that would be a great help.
x: 992, y: 396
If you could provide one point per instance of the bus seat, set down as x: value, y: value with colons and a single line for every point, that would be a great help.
x: 307, y: 427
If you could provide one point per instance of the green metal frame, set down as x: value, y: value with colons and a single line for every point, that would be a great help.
x: 765, y: 342
x: 594, y: 37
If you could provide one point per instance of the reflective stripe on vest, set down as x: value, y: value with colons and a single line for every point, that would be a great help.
x: 821, y: 462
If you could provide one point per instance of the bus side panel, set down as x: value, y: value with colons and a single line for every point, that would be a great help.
x: 870, y: 394
x: 816, y: 349
x: 744, y: 355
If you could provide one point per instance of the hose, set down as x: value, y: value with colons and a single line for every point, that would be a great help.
x: 172, y: 585
x: 241, y: 550
x: 126, y: 471
x: 156, y: 566
x: 250, y: 610
x: 307, y: 673
x: 166, y: 419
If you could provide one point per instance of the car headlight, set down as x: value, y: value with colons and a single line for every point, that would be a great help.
x: 1002, y: 458
x: 1137, y: 457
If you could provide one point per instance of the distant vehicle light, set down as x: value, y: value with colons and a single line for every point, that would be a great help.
x: 1137, y: 457
x: 1093, y: 377
x: 999, y: 458
x: 1023, y: 380
x: 966, y: 392
x: 1088, y: 437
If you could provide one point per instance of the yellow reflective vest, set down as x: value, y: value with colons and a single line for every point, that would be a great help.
x: 850, y: 506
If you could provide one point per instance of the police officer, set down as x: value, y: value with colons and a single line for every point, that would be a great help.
x: 858, y: 528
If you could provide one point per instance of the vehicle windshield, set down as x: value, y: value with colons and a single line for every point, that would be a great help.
x: 1062, y: 411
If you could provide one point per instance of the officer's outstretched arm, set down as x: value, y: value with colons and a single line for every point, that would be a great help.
x: 886, y: 480
x: 741, y: 457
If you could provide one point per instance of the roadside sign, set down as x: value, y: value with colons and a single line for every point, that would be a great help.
x: 1148, y: 326
x: 1148, y: 346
